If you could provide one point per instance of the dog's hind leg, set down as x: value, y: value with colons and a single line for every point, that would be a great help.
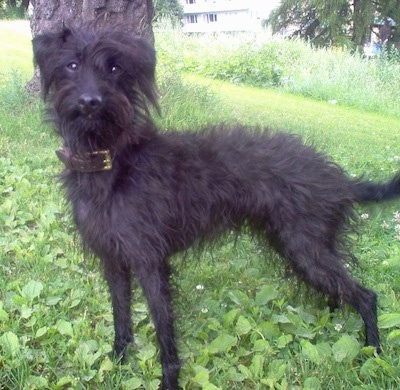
x: 155, y: 283
x: 119, y: 282
x: 322, y: 268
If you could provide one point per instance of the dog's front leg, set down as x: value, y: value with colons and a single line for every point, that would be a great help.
x: 119, y: 281
x: 154, y: 279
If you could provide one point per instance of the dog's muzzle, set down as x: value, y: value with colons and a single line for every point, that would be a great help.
x: 97, y: 161
x: 89, y: 103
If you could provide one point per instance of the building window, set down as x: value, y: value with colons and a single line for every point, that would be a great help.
x: 191, y: 18
x: 212, y: 18
x: 190, y: 1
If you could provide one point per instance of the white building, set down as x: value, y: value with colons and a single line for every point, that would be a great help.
x: 225, y: 15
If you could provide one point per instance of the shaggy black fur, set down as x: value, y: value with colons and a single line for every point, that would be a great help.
x: 166, y: 191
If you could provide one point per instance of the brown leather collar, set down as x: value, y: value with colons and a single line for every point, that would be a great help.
x: 86, y: 162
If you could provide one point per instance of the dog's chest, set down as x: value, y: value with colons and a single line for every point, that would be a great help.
x: 83, y: 211
x: 91, y: 200
x: 91, y: 219
x: 98, y: 227
x: 107, y: 212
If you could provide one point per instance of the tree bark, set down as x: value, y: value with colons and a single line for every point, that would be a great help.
x: 52, y: 15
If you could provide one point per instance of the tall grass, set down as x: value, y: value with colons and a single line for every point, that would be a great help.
x: 327, y: 74
x: 192, y: 98
x: 22, y: 133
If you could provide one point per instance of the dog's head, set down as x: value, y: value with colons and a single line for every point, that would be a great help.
x: 98, y: 84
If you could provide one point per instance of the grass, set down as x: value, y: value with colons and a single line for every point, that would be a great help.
x: 242, y: 323
x: 15, y: 47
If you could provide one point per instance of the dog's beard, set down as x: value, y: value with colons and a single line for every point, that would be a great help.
x: 100, y: 129
x: 87, y: 135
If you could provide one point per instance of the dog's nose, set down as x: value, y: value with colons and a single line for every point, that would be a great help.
x: 89, y: 103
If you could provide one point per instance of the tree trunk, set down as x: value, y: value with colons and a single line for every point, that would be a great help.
x: 52, y: 15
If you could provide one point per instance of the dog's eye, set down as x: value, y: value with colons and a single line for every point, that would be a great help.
x: 115, y: 69
x: 72, y: 66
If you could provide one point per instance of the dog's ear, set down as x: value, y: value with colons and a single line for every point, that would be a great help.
x: 46, y: 47
x: 145, y: 63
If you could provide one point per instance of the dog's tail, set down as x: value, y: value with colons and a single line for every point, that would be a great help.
x: 366, y: 191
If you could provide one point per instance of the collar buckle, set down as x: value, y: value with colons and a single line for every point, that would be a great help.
x: 96, y: 161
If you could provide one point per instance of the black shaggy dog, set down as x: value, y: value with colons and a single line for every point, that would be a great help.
x: 139, y: 195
